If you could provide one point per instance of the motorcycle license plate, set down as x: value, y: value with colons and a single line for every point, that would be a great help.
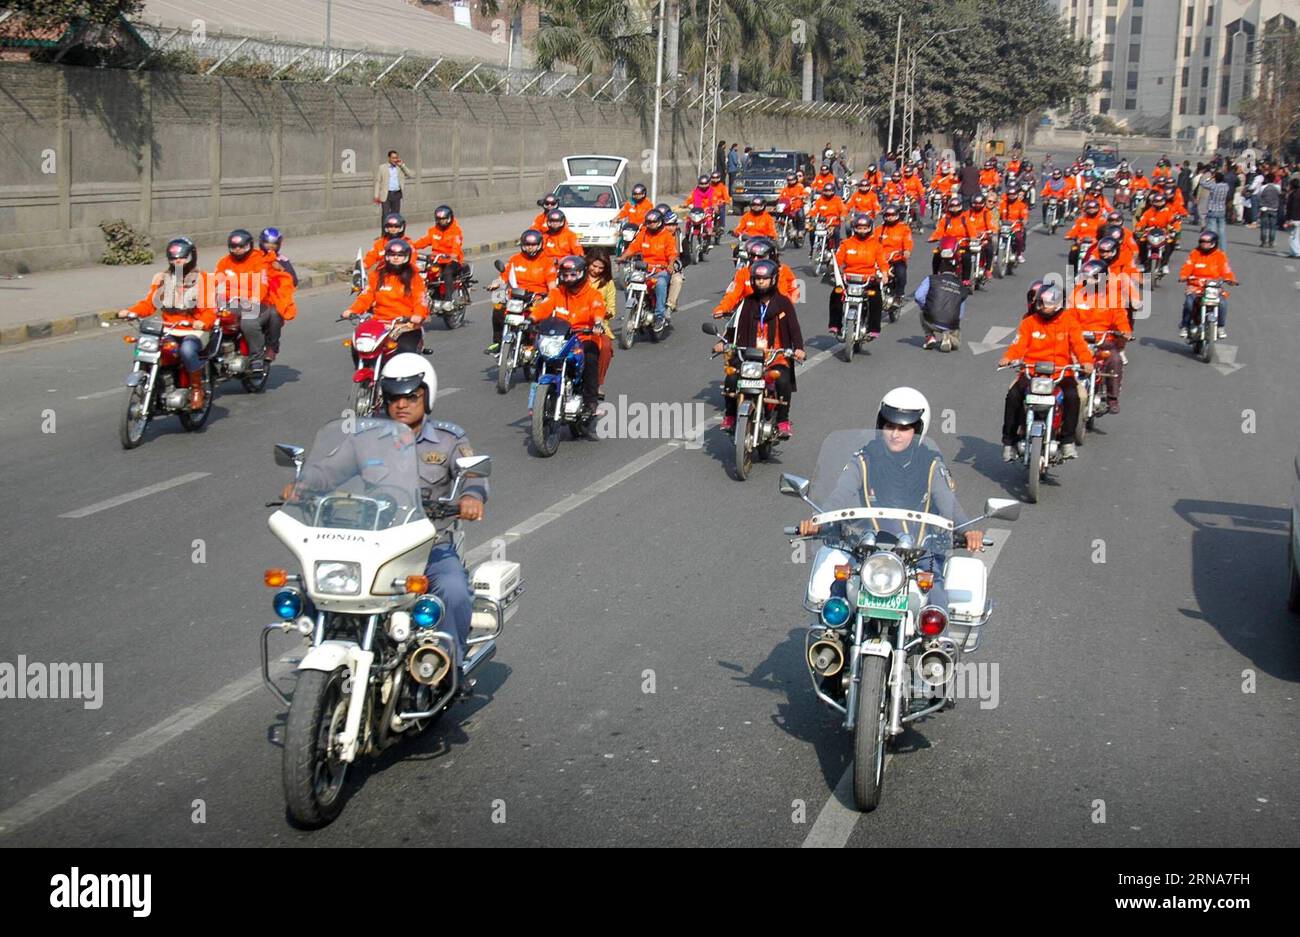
x: 1040, y: 400
x: 515, y: 320
x: 894, y: 606
x: 750, y: 384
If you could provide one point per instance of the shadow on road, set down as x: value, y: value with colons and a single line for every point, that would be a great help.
x: 1240, y: 581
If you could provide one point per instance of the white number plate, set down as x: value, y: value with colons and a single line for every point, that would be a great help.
x: 515, y: 320
x: 1041, y: 400
x: 751, y: 384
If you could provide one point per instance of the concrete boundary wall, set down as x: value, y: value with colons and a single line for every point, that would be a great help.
x: 176, y: 153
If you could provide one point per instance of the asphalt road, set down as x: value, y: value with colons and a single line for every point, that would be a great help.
x: 1119, y: 683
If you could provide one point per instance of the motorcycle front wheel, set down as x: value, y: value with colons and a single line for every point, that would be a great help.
x: 132, y: 430
x: 545, y: 430
x: 313, y: 776
x: 744, y: 454
x: 1206, y: 351
x: 628, y: 336
x: 869, y: 734
x: 506, y: 370
x: 1035, y: 469
x: 193, y: 420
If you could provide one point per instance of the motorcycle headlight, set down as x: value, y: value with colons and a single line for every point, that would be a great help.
x: 1040, y: 385
x: 147, y: 343
x: 365, y: 343
x: 836, y: 611
x: 427, y: 611
x: 751, y: 369
x: 287, y: 604
x: 336, y: 578
x: 551, y: 346
x: 883, y: 574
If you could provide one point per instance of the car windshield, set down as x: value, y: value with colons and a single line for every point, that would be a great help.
x: 900, y: 480
x: 572, y: 195
x: 360, y: 474
x: 771, y: 162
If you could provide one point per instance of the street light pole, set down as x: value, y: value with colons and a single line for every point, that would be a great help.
x: 893, y: 90
x: 659, y: 97
x: 329, y: 10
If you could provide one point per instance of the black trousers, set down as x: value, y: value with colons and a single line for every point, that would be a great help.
x: 590, y: 373
x: 875, y: 304
x: 784, y: 388
x: 391, y: 204
x: 450, y: 271
x: 898, y: 278
x: 1013, y: 416
x: 263, y: 332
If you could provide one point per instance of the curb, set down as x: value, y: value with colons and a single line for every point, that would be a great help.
x: 66, y: 325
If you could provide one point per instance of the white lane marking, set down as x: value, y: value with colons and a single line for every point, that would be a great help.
x: 103, y: 393
x: 994, y: 338
x: 837, y: 819
x: 445, y: 392
x: 134, y: 495
x: 332, y: 338
x: 692, y: 305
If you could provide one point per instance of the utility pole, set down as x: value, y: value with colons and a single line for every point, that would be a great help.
x: 712, y: 84
x: 893, y: 91
x: 659, y: 100
x: 329, y: 11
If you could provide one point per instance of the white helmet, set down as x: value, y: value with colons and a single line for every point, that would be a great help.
x: 405, y: 372
x: 904, y: 406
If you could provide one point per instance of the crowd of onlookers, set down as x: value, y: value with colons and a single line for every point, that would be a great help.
x: 1263, y: 195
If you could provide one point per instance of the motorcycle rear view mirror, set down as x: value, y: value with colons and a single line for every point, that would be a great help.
x: 709, y: 328
x: 500, y: 265
x: 1002, y: 509
x: 287, y: 455
x: 796, y: 486
x: 477, y: 466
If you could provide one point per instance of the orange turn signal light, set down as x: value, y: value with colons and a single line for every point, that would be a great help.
x: 925, y: 580
x: 347, y: 343
x: 773, y: 374
x: 731, y: 372
x: 275, y: 577
x: 417, y: 584
x: 390, y: 344
x: 843, y: 571
x: 129, y: 339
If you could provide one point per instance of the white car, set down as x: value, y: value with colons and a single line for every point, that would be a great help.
x: 591, y: 195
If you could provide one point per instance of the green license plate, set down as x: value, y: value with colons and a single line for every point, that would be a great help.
x: 895, y: 606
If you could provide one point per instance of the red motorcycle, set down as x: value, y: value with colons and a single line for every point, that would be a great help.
x: 373, y: 341
x: 451, y: 308
x: 698, y: 234
x: 234, y: 358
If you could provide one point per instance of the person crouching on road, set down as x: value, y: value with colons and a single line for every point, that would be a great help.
x: 941, y: 297
x: 182, y: 293
x: 1045, y: 336
x: 766, y: 320
x: 394, y: 294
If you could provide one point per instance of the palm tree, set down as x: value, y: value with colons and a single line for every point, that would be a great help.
x: 752, y: 39
x: 831, y: 33
x: 595, y: 36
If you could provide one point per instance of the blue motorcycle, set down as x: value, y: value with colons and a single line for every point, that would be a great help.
x: 555, y: 399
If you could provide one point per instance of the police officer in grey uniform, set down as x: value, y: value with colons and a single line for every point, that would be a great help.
x: 409, y: 386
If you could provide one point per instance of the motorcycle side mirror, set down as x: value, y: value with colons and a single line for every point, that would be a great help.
x: 287, y: 455
x: 793, y: 485
x: 476, y: 466
x: 1002, y: 509
x: 709, y: 328
x: 500, y: 265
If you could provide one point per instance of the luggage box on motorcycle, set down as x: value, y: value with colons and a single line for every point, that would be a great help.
x: 966, y: 579
x: 498, y: 581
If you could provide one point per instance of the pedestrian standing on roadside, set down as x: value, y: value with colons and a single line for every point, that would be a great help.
x: 720, y: 158
x: 1292, y: 221
x: 1217, y: 206
x: 1270, y: 202
x: 733, y: 166
x: 1233, y: 180
x: 388, y: 186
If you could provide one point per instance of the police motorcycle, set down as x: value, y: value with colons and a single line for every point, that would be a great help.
x: 380, y: 663
x: 887, y: 637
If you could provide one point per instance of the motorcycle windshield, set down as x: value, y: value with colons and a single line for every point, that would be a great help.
x: 360, y: 474
x: 901, y: 475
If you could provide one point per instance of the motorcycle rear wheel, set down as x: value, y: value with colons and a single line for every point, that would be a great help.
x: 132, y: 430
x: 362, y: 400
x: 192, y: 420
x: 505, y: 370
x: 869, y: 734
x: 744, y: 460
x: 313, y: 780
x: 255, y: 381
x: 545, y: 431
x: 1035, y: 469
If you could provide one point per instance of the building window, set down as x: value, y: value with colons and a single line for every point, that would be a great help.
x: 1134, y: 52
x: 1160, y: 81
x: 1191, y: 13
x: 1137, y: 3
x: 1110, y: 25
x: 1132, y: 82
x: 1105, y: 105
x: 1206, y: 51
x: 1108, y: 52
x: 1187, y: 76
x: 1205, y: 77
x: 1182, y: 104
x: 1209, y: 15
x: 1187, y: 47
x: 1135, y: 25
x: 1202, y: 108
x: 1130, y: 104
x: 1107, y: 78
x: 1225, y: 90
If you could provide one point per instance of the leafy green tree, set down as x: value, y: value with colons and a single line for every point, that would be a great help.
x: 54, y: 13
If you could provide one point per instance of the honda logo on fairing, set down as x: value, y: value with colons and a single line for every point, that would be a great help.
x: 347, y: 538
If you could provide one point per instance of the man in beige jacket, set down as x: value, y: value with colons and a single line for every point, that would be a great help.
x: 388, y: 185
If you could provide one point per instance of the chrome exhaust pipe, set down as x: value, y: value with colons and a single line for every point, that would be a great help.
x: 935, y: 667
x: 429, y: 664
x: 826, y: 656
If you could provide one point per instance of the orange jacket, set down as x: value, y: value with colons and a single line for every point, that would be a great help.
x: 556, y: 247
x: 979, y: 222
x: 376, y: 253
x: 1093, y: 311
x: 944, y: 184
x: 990, y: 178
x: 951, y: 225
x: 1013, y: 211
x: 1138, y: 183
x: 875, y: 178
x: 1176, y: 202
x: 450, y: 242
x: 1064, y: 192
x: 750, y: 225
x: 1058, y: 340
x: 893, y: 191
x: 658, y: 250
x: 1162, y: 172
x: 245, y: 280
x: 913, y: 186
x: 539, y: 223
x: 720, y: 194
x: 1211, y: 266
x: 739, y: 288
x: 388, y: 299
x: 535, y: 274
x: 281, y: 288
x: 830, y: 208
x: 634, y: 212
x: 794, y: 196
x: 868, y: 204
x: 1086, y: 226
x: 584, y: 309
x: 894, y: 238
x: 197, y: 303
x: 821, y: 179
x: 1163, y: 218
x: 1013, y: 167
x: 862, y: 257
